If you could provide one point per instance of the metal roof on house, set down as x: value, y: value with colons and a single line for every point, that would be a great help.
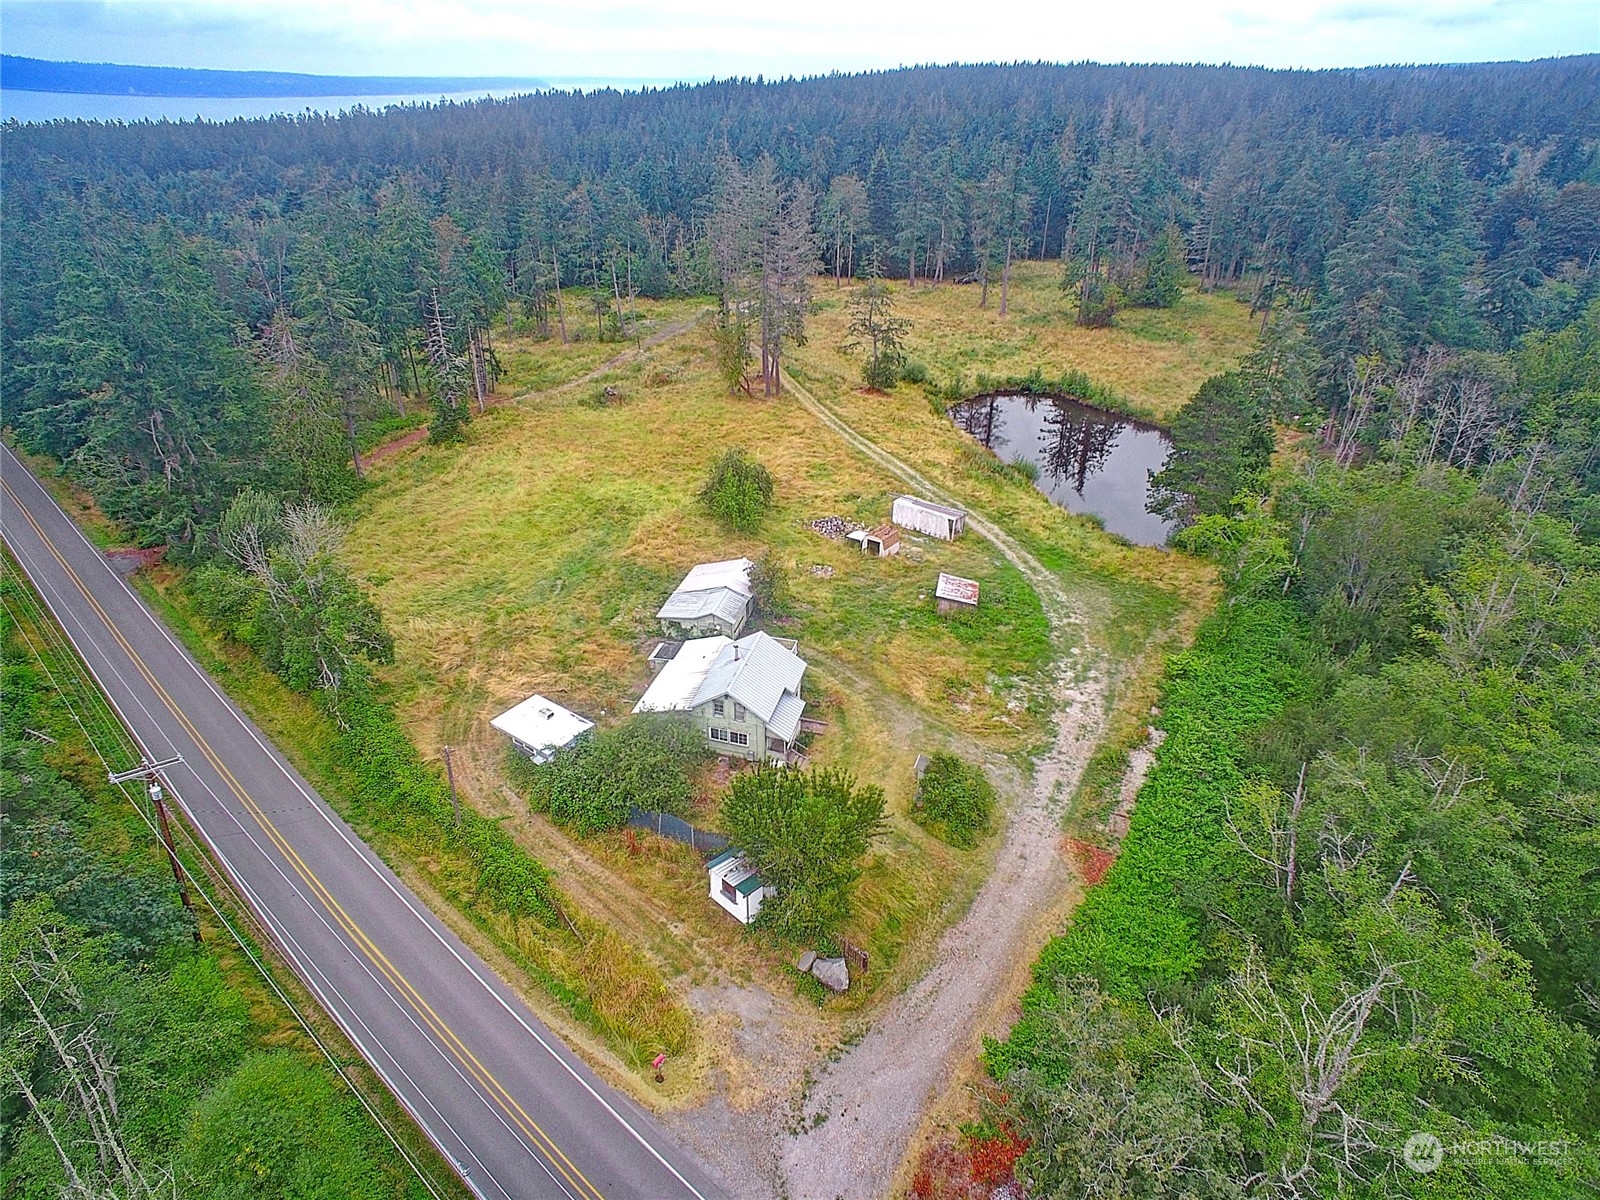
x: 726, y: 603
x: 942, y: 509
x: 541, y: 724
x: 785, y: 722
x: 730, y: 573
x: 756, y: 672
x: 953, y: 587
x: 732, y: 866
x: 719, y: 589
x: 680, y: 678
x: 887, y: 534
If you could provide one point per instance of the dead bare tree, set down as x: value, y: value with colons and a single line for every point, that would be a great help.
x: 80, y: 1119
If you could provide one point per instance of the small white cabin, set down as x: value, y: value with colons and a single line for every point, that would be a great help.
x: 935, y: 520
x: 736, y: 886
x: 538, y: 727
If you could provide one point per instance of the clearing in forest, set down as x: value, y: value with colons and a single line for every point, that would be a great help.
x: 533, y: 557
x: 1153, y: 359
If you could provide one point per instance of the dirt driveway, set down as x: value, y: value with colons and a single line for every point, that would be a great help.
x: 844, y: 1130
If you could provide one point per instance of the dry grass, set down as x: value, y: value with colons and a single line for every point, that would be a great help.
x: 1153, y: 359
x: 531, y: 364
x: 533, y: 557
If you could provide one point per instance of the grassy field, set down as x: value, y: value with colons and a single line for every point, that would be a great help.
x: 1138, y: 602
x: 531, y: 365
x: 533, y: 558
x: 1151, y: 359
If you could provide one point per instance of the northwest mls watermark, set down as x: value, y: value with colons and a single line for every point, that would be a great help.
x: 1423, y: 1152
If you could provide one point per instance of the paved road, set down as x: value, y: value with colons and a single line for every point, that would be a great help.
x: 493, y: 1088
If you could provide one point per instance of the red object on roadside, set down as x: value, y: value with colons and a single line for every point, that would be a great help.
x: 657, y: 1061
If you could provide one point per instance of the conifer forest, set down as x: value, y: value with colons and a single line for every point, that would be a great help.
x: 1358, y: 899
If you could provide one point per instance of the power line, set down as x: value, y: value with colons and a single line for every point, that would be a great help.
x: 114, y: 731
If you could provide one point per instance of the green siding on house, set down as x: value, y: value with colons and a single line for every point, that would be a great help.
x: 752, y: 726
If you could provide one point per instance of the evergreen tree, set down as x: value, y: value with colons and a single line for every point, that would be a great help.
x: 1221, y: 446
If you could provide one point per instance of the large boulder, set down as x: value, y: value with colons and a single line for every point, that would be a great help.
x: 833, y: 973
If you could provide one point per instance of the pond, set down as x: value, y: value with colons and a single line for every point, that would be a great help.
x: 1089, y: 460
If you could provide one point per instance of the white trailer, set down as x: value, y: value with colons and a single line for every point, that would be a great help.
x: 924, y: 516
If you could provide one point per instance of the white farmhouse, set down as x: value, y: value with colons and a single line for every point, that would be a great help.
x: 745, y: 694
x: 736, y: 886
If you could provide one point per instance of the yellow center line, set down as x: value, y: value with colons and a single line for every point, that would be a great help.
x: 431, y: 1018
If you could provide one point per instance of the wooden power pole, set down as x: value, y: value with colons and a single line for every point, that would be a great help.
x: 450, y: 774
x: 148, y: 771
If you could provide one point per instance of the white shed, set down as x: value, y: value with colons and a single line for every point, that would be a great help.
x: 935, y: 520
x: 736, y: 886
x: 539, y: 727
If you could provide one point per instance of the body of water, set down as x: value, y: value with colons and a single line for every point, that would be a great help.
x: 1089, y: 460
x: 50, y: 106
x: 28, y: 107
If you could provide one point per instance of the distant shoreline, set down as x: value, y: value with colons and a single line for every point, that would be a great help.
x: 30, y: 107
x: 171, y: 83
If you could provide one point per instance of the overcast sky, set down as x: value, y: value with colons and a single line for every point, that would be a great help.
x: 696, y: 39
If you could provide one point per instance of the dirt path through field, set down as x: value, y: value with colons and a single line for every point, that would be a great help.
x: 862, y: 1113
x: 664, y: 334
x: 413, y: 436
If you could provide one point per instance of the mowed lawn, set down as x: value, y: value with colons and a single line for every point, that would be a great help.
x: 1153, y: 359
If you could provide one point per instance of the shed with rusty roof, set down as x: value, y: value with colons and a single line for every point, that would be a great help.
x: 955, y: 594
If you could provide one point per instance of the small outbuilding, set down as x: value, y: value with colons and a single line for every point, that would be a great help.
x: 736, y: 886
x: 955, y: 594
x: 924, y: 516
x: 713, y: 599
x: 882, y: 542
x: 662, y: 653
x: 538, y: 727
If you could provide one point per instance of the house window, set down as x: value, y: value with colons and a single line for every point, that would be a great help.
x: 737, y: 738
x: 718, y: 735
x: 728, y: 890
x: 717, y: 708
x: 738, y: 712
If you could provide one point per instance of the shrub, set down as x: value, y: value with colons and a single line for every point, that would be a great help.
x: 278, y: 1127
x: 646, y: 760
x: 956, y: 800
x: 739, y: 490
x: 769, y: 585
x: 806, y: 834
x: 395, y: 785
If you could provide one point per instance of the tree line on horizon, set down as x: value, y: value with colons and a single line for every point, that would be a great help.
x: 195, y: 307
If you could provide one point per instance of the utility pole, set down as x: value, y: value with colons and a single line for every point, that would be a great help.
x: 148, y: 770
x: 450, y: 774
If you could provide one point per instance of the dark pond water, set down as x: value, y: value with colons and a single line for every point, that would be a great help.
x: 1089, y: 460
